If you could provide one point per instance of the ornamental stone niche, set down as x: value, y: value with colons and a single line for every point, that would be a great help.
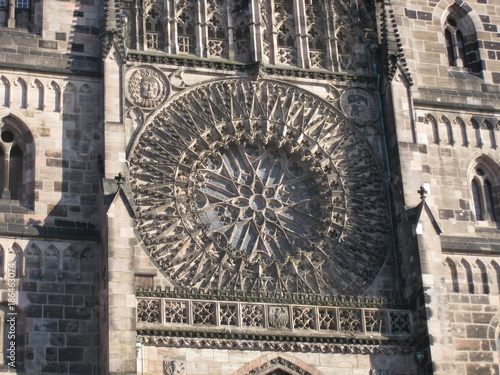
x: 258, y: 186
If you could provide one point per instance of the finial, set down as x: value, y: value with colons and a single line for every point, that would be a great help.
x: 119, y: 179
x: 422, y: 192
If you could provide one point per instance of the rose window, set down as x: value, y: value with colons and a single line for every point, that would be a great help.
x: 260, y: 201
x: 258, y: 186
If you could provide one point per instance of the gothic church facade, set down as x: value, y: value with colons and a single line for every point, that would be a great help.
x: 249, y: 187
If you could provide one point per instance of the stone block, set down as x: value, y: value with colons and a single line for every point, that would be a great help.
x: 71, y: 354
x: 53, y: 312
x: 57, y: 339
x: 477, y: 331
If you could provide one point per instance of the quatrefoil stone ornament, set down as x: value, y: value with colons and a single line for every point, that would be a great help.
x: 258, y: 186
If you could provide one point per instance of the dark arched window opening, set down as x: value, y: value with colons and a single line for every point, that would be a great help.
x: 155, y: 31
x: 484, y: 193
x: 488, y: 199
x: 477, y: 200
x: 16, y: 172
x: 16, y: 163
x: 450, y: 48
x: 462, y: 47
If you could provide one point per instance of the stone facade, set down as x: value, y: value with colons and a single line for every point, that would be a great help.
x: 249, y: 187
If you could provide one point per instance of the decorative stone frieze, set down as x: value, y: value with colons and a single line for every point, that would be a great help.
x: 164, y: 313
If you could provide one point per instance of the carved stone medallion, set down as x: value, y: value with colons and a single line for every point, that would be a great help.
x: 360, y: 106
x: 262, y: 186
x: 147, y: 87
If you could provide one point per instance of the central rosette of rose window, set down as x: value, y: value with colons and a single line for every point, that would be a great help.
x: 261, y: 203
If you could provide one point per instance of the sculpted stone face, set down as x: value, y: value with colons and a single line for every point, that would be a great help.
x: 149, y: 88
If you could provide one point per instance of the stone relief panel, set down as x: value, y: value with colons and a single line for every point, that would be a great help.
x: 360, y: 106
x: 259, y: 186
x: 174, y: 366
x: 147, y: 87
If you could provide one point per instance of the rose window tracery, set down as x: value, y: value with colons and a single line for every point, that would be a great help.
x: 243, y: 185
x: 261, y: 201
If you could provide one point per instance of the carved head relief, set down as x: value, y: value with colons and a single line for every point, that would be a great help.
x: 147, y: 87
x: 245, y: 185
x: 150, y: 87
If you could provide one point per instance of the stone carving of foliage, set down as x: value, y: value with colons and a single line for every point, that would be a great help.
x: 252, y: 185
x: 148, y: 310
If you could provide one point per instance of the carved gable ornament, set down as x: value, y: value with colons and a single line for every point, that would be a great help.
x: 259, y: 186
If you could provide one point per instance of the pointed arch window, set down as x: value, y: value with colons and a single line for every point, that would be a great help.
x: 483, y: 194
x: 345, y: 49
x: 155, y: 30
x: 461, y: 42
x: 217, y: 44
x: 185, y: 32
x: 16, y: 162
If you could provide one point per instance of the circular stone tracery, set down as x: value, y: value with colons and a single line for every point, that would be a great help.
x: 261, y: 201
x: 261, y: 186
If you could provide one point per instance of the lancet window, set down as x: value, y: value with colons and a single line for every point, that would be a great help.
x: 315, y: 34
x: 461, y: 42
x: 185, y: 30
x: 15, y: 162
x: 155, y: 29
x: 345, y: 50
x: 483, y: 193
x: 217, y: 29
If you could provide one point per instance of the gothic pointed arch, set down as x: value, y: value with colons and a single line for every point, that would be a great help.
x: 21, y: 93
x: 38, y: 95
x: 54, y: 100
x: 345, y: 49
x: 277, y: 365
x: 449, y: 129
x: 430, y: 119
x: 461, y: 41
x: 4, y: 92
x: 488, y: 127
x: 496, y: 277
x: 483, y: 281
x: 477, y: 129
x: 34, y: 262
x: 186, y: 36
x: 69, y: 98
x: 469, y: 280
x: 463, y: 130
x: 247, y: 187
x: 155, y: 28
x: 16, y: 260
x: 17, y: 159
x: 452, y: 276
x: 484, y: 184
